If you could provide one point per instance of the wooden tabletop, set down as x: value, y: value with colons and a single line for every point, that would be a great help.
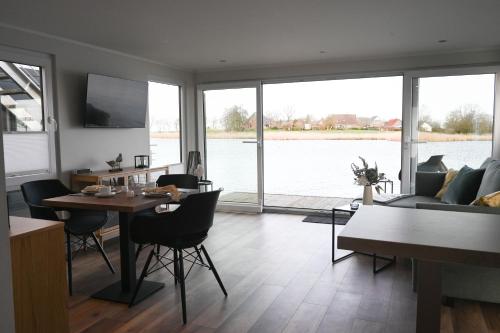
x: 119, y: 202
x: 432, y: 235
x: 25, y: 226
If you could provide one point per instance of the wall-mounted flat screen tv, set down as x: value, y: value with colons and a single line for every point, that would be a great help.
x: 115, y: 103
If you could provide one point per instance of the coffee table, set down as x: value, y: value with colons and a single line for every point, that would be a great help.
x: 432, y: 237
x: 348, y: 209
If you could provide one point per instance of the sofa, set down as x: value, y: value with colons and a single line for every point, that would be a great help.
x: 458, y: 280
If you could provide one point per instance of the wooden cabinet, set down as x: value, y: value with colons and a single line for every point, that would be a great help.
x: 39, y: 275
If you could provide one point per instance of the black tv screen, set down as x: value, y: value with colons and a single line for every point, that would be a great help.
x: 115, y: 103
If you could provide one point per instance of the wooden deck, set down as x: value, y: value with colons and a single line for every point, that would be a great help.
x: 288, y: 201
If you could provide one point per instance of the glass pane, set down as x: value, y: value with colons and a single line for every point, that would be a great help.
x: 455, y: 120
x: 313, y: 131
x: 164, y: 123
x: 231, y: 136
x: 21, y: 97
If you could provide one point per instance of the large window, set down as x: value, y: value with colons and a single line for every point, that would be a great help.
x: 313, y: 131
x: 27, y: 142
x: 455, y: 118
x: 164, y: 123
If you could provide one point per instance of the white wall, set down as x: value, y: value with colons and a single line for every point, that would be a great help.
x: 6, y: 303
x: 80, y: 147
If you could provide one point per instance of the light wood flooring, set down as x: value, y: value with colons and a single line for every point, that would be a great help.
x: 279, y: 277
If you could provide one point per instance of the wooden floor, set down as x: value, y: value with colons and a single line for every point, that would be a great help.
x: 279, y: 277
x: 288, y: 201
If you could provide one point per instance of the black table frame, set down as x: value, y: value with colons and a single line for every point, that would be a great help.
x: 122, y: 291
x: 376, y: 270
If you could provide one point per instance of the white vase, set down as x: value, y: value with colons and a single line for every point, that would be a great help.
x: 368, y: 195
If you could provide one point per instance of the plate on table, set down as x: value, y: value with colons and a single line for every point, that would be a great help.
x: 105, y: 195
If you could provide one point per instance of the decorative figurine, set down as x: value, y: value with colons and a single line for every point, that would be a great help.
x: 115, y: 165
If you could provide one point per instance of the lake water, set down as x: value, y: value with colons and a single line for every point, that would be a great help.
x: 314, y: 167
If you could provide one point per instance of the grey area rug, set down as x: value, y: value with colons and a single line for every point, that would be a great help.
x: 327, y: 219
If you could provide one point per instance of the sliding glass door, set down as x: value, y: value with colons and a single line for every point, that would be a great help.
x: 314, y: 130
x: 453, y: 121
x: 233, y: 146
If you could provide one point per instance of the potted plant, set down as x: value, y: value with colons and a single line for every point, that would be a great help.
x: 367, y: 177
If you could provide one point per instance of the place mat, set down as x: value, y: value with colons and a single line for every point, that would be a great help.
x: 340, y: 219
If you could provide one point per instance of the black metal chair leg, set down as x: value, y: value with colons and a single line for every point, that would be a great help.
x: 138, y: 251
x: 199, y: 254
x: 212, y: 267
x: 68, y: 255
x: 99, y: 247
x: 176, y: 267
x: 143, y: 275
x: 183, y: 287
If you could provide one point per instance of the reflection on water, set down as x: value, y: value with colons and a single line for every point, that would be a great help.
x: 315, y: 167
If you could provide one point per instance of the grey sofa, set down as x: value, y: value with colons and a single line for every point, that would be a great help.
x: 459, y: 281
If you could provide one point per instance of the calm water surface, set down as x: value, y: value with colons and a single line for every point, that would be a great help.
x: 314, y: 167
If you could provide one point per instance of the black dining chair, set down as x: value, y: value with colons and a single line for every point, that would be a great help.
x: 79, y: 223
x: 180, y: 230
x: 180, y: 181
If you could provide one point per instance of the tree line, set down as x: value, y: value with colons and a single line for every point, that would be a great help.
x: 463, y: 120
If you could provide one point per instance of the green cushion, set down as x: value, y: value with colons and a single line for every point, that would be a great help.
x: 463, y: 189
x: 491, y: 179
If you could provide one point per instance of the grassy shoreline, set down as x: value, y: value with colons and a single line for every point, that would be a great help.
x: 334, y: 135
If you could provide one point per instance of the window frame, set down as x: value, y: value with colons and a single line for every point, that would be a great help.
x: 45, y: 62
x: 182, y: 115
x: 410, y: 114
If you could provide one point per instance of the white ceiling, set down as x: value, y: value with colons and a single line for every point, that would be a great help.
x: 196, y: 35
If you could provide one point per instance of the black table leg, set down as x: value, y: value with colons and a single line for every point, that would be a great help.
x: 334, y: 261
x: 122, y: 290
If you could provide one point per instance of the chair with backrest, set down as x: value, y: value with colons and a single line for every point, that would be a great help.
x: 180, y: 230
x: 180, y: 181
x: 79, y: 223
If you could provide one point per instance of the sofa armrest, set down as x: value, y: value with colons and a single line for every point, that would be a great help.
x: 459, y: 208
x: 427, y: 184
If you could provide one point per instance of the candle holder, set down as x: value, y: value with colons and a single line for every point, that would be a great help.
x: 141, y: 161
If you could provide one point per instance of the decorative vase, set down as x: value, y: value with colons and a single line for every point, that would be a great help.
x: 368, y: 195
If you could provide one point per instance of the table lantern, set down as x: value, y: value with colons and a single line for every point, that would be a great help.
x: 141, y: 161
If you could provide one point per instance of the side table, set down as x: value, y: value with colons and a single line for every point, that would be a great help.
x: 348, y: 209
x: 206, y: 183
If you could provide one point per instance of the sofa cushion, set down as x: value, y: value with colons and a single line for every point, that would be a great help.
x: 463, y: 189
x: 411, y: 201
x: 487, y: 161
x: 491, y: 179
x: 450, y: 175
x: 489, y: 200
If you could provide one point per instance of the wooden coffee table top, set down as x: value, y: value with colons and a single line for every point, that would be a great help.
x: 431, y: 235
x: 119, y: 202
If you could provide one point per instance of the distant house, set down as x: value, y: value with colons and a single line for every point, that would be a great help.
x: 425, y: 127
x: 370, y: 122
x: 393, y: 125
x: 343, y: 121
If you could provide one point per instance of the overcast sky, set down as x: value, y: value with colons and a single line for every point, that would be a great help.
x: 366, y: 97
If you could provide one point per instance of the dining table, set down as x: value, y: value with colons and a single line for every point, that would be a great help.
x: 120, y: 291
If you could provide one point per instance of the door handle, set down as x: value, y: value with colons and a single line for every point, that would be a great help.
x: 249, y: 141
